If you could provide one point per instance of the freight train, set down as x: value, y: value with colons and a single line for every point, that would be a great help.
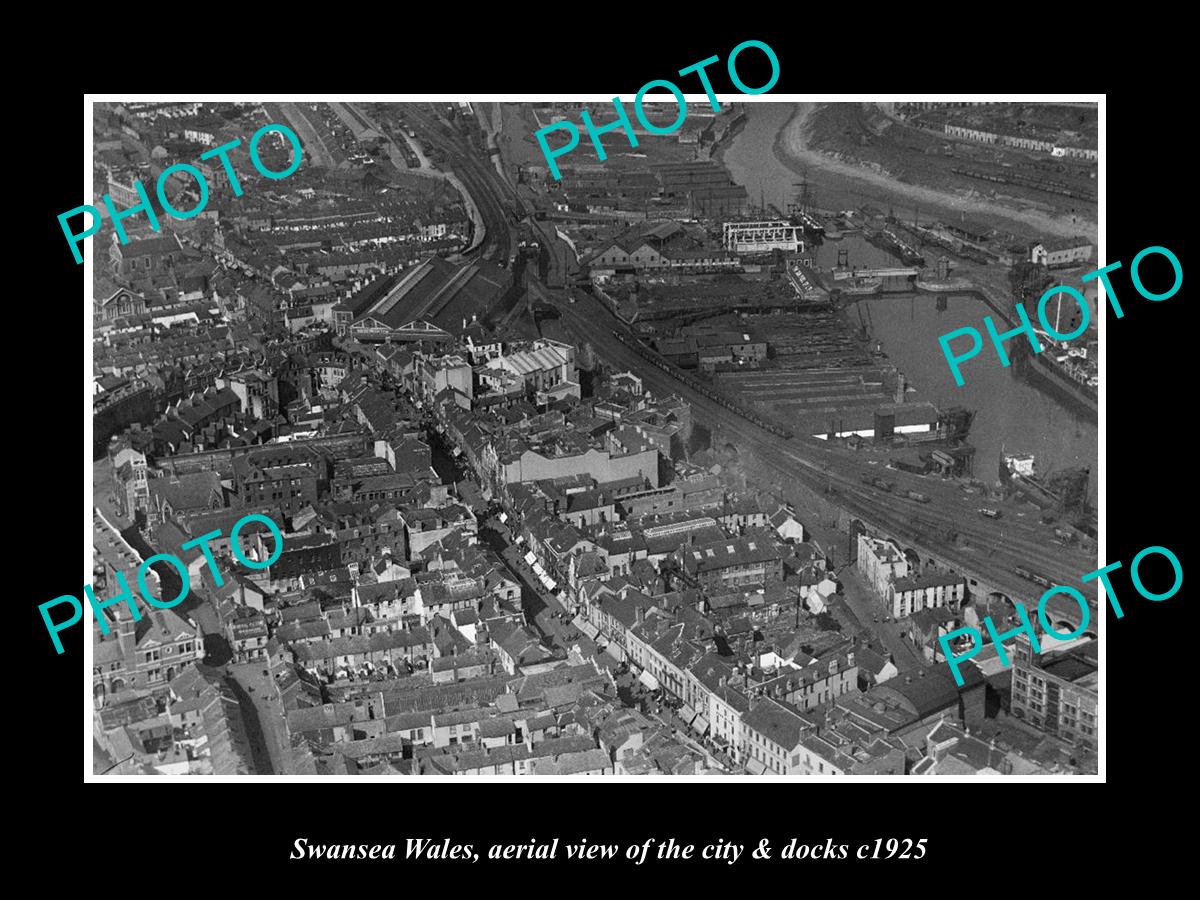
x: 1039, y: 184
x: 697, y: 385
x: 1033, y: 576
x: 879, y: 483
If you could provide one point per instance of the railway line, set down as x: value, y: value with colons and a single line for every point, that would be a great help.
x: 478, y: 177
x: 1028, y: 548
x: 980, y: 551
x: 700, y: 387
x: 898, y: 516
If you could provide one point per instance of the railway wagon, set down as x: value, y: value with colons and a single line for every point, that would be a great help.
x: 1036, y: 578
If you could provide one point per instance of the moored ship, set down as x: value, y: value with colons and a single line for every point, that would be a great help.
x: 813, y: 228
x: 1041, y: 371
x: 887, y: 240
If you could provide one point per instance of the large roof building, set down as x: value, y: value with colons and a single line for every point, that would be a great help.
x: 435, y: 294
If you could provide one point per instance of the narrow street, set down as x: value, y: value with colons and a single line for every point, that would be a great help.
x: 543, y: 610
x: 686, y: 737
x: 266, y: 722
x: 866, y: 607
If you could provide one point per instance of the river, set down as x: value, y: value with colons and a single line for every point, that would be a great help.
x: 771, y: 155
x: 1010, y: 413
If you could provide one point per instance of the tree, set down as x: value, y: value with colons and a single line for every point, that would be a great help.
x: 826, y: 622
x: 701, y: 439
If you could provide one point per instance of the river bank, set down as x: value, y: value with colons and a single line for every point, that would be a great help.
x: 731, y: 134
x: 1013, y: 415
x: 1014, y: 412
x: 850, y: 184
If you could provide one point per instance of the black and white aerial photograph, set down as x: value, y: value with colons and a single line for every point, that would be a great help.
x: 498, y: 439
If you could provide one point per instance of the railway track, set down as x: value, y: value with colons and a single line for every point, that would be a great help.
x: 478, y: 178
x: 695, y: 384
x: 819, y: 468
x: 897, y: 515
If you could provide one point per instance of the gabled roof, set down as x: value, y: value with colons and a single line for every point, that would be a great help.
x: 187, y: 492
x: 150, y: 246
x: 163, y: 626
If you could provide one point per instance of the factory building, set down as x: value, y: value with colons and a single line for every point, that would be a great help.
x: 1061, y: 253
x: 762, y: 237
x: 838, y: 402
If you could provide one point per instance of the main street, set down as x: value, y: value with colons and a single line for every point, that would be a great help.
x: 543, y: 610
